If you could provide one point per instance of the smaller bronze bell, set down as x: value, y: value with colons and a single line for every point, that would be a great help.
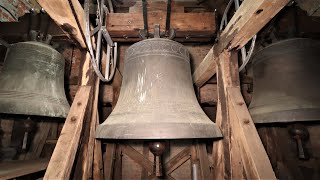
x: 32, y: 81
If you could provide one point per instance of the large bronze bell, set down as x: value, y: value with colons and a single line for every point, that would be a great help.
x: 286, y: 84
x: 157, y: 99
x: 32, y: 81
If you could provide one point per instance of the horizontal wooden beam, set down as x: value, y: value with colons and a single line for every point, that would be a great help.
x: 63, y: 156
x: 187, y: 25
x: 248, y: 20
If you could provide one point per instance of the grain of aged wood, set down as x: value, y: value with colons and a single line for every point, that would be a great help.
x: 225, y: 164
x: 88, y: 160
x: 6, y: 127
x: 61, y: 12
x: 145, y: 152
x: 109, y: 161
x: 14, y: 169
x: 248, y: 20
x: 187, y: 25
x: 39, y: 140
x: 154, y: 6
x: 98, y: 158
x: 209, y: 94
x: 203, y: 160
x: 177, y: 160
x: 255, y: 159
x: 231, y: 158
x: 137, y: 157
x: 118, y: 163
x: 62, y: 159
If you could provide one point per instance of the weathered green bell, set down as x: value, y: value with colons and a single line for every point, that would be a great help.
x: 32, y: 81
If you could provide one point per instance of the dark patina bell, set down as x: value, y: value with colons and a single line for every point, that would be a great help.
x: 32, y: 81
x: 286, y: 82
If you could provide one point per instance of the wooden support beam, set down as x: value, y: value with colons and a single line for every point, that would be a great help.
x: 177, y: 160
x: 63, y: 14
x: 118, y: 163
x: 14, y: 169
x: 208, y: 94
x: 156, y: 6
x: 84, y: 167
x: 98, y: 158
x: 70, y: 16
x: 145, y: 152
x: 248, y: 20
x: 230, y: 159
x: 39, y: 140
x: 254, y: 157
x: 187, y: 25
x: 202, y: 155
x: 109, y: 161
x: 62, y: 159
x: 226, y: 157
x: 137, y: 157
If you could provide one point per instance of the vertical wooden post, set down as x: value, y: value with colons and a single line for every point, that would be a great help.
x: 203, y: 160
x: 118, y: 163
x: 145, y: 152
x: 226, y: 164
x: 109, y: 161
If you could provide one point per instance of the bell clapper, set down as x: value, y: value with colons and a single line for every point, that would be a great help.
x: 157, y: 149
x: 300, y: 134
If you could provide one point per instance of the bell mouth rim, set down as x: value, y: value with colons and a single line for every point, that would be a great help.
x: 291, y: 115
x: 143, y: 131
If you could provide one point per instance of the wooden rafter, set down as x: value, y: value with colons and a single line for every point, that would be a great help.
x: 248, y: 20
